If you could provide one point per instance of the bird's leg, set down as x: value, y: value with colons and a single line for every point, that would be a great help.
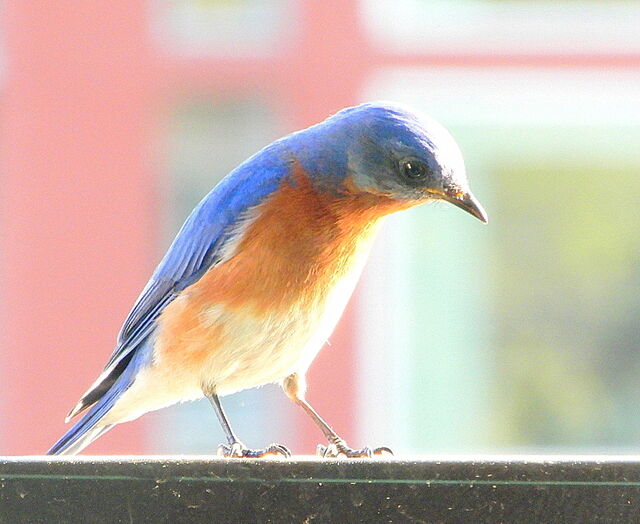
x: 235, y: 448
x: 294, y: 387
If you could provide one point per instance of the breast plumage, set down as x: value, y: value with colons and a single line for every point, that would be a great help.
x: 256, y: 319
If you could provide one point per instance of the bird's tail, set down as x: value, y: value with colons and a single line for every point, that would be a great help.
x: 75, y: 441
x: 90, y: 426
x: 86, y: 430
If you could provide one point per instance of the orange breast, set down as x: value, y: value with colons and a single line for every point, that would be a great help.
x: 302, y: 242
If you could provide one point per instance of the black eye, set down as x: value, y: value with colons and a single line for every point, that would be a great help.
x: 413, y: 168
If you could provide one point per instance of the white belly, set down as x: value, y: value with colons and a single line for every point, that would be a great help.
x: 268, y: 349
x: 251, y: 351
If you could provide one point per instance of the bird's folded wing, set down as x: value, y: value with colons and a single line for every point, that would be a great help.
x: 197, y: 247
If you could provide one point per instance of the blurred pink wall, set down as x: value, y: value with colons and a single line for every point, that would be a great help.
x: 85, y: 90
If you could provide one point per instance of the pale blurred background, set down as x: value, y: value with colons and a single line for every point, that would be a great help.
x: 519, y: 336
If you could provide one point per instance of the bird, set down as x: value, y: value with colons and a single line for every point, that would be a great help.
x: 258, y: 276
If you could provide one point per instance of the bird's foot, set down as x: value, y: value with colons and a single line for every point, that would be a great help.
x: 239, y: 450
x: 339, y: 448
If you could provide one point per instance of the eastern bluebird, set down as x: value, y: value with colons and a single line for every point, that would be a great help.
x: 259, y: 274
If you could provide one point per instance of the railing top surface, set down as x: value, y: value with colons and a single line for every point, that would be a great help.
x: 442, y: 488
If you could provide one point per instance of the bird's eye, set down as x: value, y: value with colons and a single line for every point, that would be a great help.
x: 413, y: 168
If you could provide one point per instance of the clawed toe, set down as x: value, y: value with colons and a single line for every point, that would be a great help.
x: 383, y: 450
x: 339, y: 448
x: 239, y: 450
x: 277, y: 449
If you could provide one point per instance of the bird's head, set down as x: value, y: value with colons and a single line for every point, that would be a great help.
x: 394, y: 152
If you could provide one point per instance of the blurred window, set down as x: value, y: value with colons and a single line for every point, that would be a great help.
x: 220, y: 27
x: 534, y: 344
x: 504, y: 26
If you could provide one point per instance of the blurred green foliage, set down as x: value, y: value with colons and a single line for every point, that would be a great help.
x: 567, y: 303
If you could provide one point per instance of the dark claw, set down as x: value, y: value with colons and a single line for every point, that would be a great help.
x: 336, y: 449
x: 239, y: 450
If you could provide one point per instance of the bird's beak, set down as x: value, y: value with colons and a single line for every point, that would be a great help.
x: 468, y: 203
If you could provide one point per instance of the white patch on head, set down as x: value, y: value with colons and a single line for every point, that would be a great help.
x: 447, y: 152
x: 445, y: 148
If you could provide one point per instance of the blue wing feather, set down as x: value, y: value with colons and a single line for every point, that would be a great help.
x: 196, y: 248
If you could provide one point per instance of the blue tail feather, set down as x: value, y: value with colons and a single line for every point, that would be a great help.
x: 88, y: 428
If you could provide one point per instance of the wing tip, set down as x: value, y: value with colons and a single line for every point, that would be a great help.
x: 77, y: 409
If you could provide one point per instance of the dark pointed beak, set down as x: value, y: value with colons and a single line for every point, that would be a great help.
x: 468, y: 203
